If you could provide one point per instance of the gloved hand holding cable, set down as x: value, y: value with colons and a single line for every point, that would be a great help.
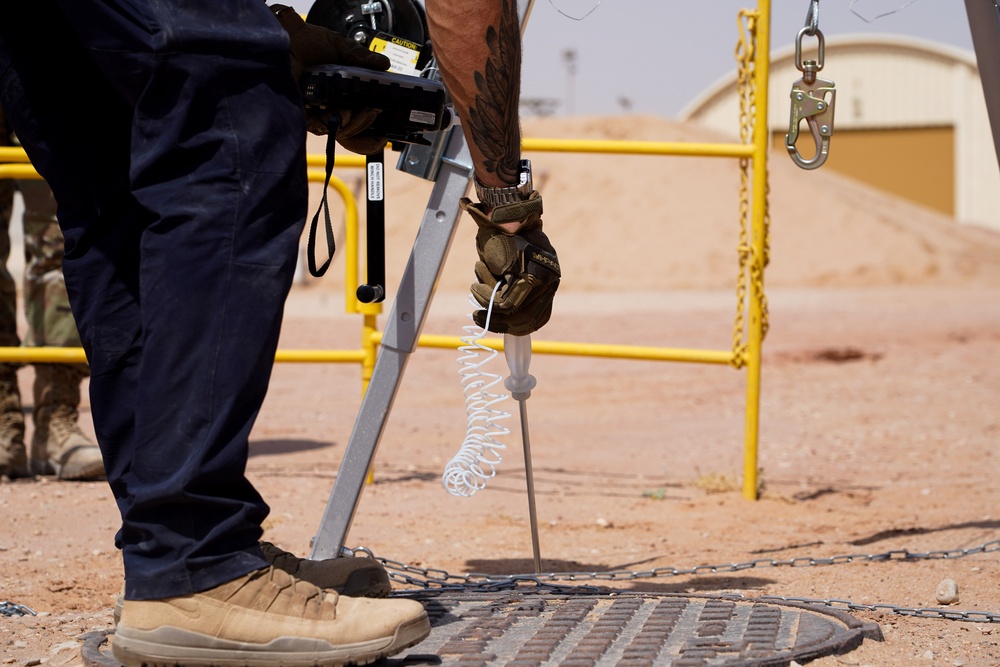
x: 477, y: 44
x: 315, y: 45
x: 513, y: 248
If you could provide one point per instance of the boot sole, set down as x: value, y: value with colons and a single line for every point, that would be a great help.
x: 170, y: 646
x: 93, y: 473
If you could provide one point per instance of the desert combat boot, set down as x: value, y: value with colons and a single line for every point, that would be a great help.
x: 356, y: 577
x: 58, y: 446
x: 262, y: 619
x: 13, y: 458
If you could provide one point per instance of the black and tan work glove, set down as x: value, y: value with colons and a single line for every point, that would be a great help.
x: 523, y: 259
x: 315, y: 45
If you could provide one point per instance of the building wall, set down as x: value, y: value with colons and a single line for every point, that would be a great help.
x: 895, y: 160
x: 899, y: 103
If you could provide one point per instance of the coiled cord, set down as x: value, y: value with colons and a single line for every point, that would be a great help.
x: 480, y: 453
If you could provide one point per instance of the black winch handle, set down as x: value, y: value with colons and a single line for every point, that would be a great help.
x: 373, y: 291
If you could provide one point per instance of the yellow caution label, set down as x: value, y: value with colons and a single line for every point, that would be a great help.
x: 402, y: 53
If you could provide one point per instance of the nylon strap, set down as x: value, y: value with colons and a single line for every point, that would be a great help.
x: 332, y: 126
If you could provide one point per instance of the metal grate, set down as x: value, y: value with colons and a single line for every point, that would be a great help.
x: 628, y: 629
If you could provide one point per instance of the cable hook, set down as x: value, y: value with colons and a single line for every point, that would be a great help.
x: 813, y: 99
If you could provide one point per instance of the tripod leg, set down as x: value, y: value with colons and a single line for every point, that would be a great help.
x: 406, y: 319
x: 984, y: 21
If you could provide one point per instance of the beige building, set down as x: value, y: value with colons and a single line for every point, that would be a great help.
x: 910, y: 118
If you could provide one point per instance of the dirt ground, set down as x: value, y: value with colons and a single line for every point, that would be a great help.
x: 878, y: 433
x: 878, y: 417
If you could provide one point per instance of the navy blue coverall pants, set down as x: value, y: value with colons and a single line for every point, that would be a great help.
x: 173, y: 137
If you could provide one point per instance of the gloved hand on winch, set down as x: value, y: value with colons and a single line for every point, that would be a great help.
x: 513, y: 248
x: 315, y: 45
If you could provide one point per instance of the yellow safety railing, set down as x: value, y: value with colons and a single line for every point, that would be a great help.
x: 751, y: 316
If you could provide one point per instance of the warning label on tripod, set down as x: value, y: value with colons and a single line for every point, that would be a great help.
x: 375, y: 192
x: 402, y: 53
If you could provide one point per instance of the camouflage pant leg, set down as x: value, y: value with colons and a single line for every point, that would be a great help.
x: 46, y: 304
x: 8, y: 291
x: 57, y: 445
x: 13, y: 460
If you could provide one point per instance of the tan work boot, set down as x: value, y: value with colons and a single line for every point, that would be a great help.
x: 58, y: 446
x: 357, y: 577
x: 262, y: 619
x: 354, y: 577
x: 13, y: 459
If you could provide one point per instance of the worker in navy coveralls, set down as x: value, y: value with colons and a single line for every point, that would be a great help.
x: 172, y: 134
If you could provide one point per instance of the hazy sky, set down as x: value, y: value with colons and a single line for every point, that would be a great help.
x: 658, y: 55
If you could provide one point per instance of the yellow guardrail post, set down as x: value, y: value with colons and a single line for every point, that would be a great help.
x: 758, y: 242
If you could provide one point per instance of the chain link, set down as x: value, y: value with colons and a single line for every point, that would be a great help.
x: 438, y: 579
x: 13, y: 609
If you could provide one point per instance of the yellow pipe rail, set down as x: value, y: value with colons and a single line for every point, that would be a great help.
x: 17, y: 167
x: 603, y: 350
x: 12, y: 154
x: 19, y: 170
x: 75, y: 355
x: 609, y: 146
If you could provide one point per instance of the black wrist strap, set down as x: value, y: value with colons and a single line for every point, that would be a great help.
x: 332, y: 126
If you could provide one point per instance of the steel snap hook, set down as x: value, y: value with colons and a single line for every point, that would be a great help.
x: 813, y: 100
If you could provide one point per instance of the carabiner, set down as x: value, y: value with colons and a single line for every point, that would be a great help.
x: 813, y: 101
x: 809, y: 97
x: 810, y: 102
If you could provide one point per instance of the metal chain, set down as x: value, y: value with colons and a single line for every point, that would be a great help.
x: 746, y: 54
x: 919, y: 612
x: 744, y: 82
x: 8, y: 608
x: 437, y: 579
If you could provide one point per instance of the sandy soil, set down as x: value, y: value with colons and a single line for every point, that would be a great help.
x: 878, y: 423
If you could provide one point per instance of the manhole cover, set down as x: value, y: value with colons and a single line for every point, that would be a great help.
x: 626, y: 629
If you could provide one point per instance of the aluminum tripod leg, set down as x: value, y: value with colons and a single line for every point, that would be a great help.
x: 403, y: 327
x: 984, y: 22
x: 406, y: 320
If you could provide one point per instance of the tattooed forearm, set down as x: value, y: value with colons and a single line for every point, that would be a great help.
x: 493, y: 115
